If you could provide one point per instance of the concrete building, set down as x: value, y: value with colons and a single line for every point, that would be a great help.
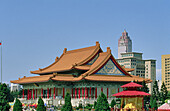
x: 166, y: 70
x: 124, y: 44
x: 142, y: 68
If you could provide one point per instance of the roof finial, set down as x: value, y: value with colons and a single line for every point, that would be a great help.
x: 56, y: 58
x: 65, y: 50
x: 108, y: 50
x: 97, y: 43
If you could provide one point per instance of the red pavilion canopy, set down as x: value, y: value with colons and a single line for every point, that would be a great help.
x: 164, y: 107
x: 130, y: 94
x: 131, y: 84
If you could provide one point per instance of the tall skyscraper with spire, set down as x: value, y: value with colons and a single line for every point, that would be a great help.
x: 124, y: 44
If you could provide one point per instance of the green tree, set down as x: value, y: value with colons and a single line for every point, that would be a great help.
x: 164, y: 93
x: 102, y: 103
x: 113, y: 103
x: 154, y: 104
x: 67, y: 106
x: 17, y: 105
x: 155, y: 91
x: 41, y: 106
x: 145, y: 89
x: 4, y: 106
x: 151, y: 101
x: 95, y: 103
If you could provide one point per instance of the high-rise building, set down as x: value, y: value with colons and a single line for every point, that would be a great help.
x: 124, y: 44
x: 142, y: 68
x: 129, y: 59
x: 166, y: 70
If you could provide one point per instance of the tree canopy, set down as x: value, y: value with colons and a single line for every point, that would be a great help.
x: 41, y: 106
x: 67, y: 106
x: 163, y: 93
x: 4, y: 98
x: 17, y: 105
x: 102, y: 103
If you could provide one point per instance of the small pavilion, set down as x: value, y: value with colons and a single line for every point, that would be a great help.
x: 132, y: 96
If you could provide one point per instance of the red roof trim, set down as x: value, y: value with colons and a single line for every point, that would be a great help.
x: 131, y: 84
x: 131, y: 93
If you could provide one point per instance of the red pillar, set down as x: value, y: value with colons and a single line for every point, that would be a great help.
x: 79, y: 93
x: 82, y: 92
x: 107, y: 92
x: 75, y: 93
x: 54, y: 93
x: 63, y: 92
x: 72, y: 93
x: 85, y: 92
x: 23, y: 93
x: 101, y: 89
x: 30, y: 94
x: 33, y: 93
x: 90, y: 92
x: 47, y: 92
x: 118, y: 90
x: 36, y: 93
x: 41, y: 92
x: 96, y: 93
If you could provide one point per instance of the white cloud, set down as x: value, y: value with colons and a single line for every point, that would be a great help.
x: 158, y: 74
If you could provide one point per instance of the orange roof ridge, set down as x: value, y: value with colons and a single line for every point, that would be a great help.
x: 81, y: 49
x: 87, y: 53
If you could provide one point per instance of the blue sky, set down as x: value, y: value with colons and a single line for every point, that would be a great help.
x: 34, y: 32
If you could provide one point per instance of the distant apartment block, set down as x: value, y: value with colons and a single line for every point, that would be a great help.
x: 166, y: 70
x: 143, y: 68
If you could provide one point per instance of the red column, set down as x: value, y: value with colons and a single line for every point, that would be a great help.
x: 33, y: 93
x: 101, y: 89
x: 75, y: 93
x: 82, y: 92
x: 54, y: 93
x: 118, y: 90
x: 85, y: 92
x: 36, y: 93
x: 79, y: 93
x: 72, y: 93
x: 96, y: 93
x: 23, y: 93
x: 28, y: 93
x: 47, y: 92
x: 107, y: 92
x: 41, y: 92
x: 90, y: 92
x: 63, y: 92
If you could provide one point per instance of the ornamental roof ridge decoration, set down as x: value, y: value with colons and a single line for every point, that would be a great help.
x: 78, y: 56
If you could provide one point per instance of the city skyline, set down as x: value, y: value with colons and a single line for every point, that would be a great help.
x: 34, y: 33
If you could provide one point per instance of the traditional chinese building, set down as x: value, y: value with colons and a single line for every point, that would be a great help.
x: 84, y: 73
